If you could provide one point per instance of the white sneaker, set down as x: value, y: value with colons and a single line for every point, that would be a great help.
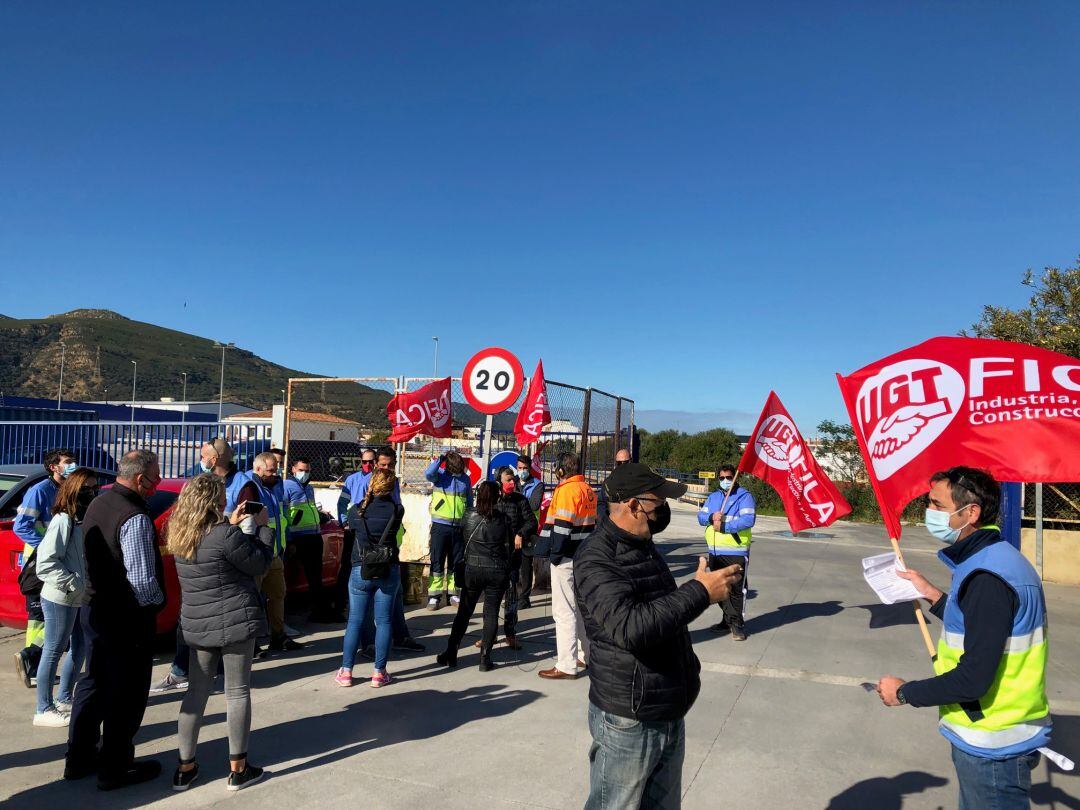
x: 433, y: 603
x: 51, y: 718
x: 455, y: 600
x: 62, y: 707
x: 292, y: 632
x: 170, y: 683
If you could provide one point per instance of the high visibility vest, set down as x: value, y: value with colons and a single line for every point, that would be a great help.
x: 234, y: 482
x: 302, y: 518
x: 1013, y: 717
x: 739, y: 503
x: 449, y: 506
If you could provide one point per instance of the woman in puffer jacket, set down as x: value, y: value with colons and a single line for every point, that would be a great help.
x: 488, y: 546
x: 221, y: 614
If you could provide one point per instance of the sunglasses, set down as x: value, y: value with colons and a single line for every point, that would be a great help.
x: 727, y: 477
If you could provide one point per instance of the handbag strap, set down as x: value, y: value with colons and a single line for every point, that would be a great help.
x: 386, y: 529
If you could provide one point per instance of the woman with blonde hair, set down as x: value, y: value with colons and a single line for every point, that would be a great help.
x: 374, y: 575
x: 61, y: 567
x: 221, y: 614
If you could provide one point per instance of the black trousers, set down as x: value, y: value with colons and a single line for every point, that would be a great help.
x: 491, y: 583
x: 309, y: 552
x: 510, y: 609
x: 525, y: 577
x: 110, y: 698
x: 733, y: 605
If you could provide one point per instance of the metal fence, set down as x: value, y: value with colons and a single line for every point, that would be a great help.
x: 584, y: 420
x: 101, y: 444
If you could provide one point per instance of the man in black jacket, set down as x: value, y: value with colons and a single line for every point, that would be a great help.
x: 644, y: 674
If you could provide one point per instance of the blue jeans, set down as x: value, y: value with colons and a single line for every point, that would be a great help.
x: 994, y: 784
x: 401, y: 629
x: 362, y: 592
x: 634, y: 763
x: 61, y: 627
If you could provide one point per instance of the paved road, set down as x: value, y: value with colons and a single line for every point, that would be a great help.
x: 781, y: 722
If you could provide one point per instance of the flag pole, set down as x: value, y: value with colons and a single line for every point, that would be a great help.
x: 918, y: 609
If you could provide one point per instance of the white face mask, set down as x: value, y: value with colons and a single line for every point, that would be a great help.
x: 726, y: 484
x: 302, y: 477
x: 937, y: 523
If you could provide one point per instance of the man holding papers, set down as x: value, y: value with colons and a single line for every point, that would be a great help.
x: 991, y: 659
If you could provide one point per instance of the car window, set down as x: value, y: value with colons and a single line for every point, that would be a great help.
x: 159, y: 502
x: 8, y: 482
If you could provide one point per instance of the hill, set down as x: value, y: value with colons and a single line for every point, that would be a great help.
x: 100, y: 345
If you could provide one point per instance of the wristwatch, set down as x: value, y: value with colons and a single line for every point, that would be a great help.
x: 900, y: 695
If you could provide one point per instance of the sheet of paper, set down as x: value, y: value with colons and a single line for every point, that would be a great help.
x: 880, y: 574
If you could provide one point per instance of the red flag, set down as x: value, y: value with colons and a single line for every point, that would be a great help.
x: 1009, y: 408
x: 534, y: 412
x: 426, y: 410
x: 537, y: 470
x: 777, y: 454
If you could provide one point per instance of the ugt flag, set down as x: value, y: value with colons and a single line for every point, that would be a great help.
x: 777, y: 454
x: 1009, y: 408
x: 534, y: 413
x: 426, y: 410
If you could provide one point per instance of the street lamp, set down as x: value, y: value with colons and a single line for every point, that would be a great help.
x: 282, y: 396
x: 134, y: 377
x: 436, y: 357
x: 60, y: 393
x: 221, y: 385
x: 183, y: 411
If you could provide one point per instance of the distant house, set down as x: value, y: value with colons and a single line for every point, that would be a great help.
x: 308, y: 426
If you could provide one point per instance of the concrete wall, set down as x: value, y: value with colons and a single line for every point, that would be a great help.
x: 1061, y: 554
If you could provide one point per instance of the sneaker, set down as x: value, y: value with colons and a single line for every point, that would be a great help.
x: 292, y: 632
x: 63, y: 706
x: 78, y: 769
x: 238, y: 780
x: 182, y: 779
x: 135, y: 774
x: 51, y: 718
x: 285, y: 644
x: 380, y: 679
x: 343, y: 677
x: 738, y: 634
x: 408, y: 643
x: 170, y: 683
x: 24, y: 668
x: 433, y: 603
x: 455, y: 600
x: 720, y: 628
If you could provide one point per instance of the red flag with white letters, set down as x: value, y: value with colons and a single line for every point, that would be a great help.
x: 534, y: 412
x: 777, y: 454
x: 1009, y: 408
x: 427, y: 411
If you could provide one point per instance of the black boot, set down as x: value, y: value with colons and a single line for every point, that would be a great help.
x: 448, y: 658
x: 486, y: 664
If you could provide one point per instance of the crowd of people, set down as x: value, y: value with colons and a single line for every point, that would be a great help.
x: 94, y: 580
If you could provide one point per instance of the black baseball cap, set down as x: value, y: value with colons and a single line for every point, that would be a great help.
x: 630, y: 480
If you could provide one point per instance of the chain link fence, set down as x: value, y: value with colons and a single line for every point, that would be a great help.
x: 329, y: 422
x: 1060, y: 506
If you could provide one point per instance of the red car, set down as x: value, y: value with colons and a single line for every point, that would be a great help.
x: 15, y: 480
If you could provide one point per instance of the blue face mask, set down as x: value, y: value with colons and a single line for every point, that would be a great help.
x: 523, y: 475
x: 68, y: 469
x: 302, y: 477
x: 726, y: 484
x: 937, y: 523
x: 204, y: 468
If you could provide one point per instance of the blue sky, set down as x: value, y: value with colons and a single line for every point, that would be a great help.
x: 689, y: 204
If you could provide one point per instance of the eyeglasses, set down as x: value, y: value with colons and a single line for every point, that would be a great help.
x: 727, y: 477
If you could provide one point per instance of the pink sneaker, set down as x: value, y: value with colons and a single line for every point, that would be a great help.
x: 380, y: 679
x: 343, y: 677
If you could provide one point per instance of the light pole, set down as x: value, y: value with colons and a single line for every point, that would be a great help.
x: 282, y: 396
x: 221, y: 385
x: 436, y: 357
x: 60, y: 393
x: 183, y: 412
x: 134, y: 378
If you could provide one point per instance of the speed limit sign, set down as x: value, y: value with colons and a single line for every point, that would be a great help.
x: 492, y: 380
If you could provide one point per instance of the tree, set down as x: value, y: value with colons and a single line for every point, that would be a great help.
x: 378, y: 437
x: 706, y: 451
x: 1051, y: 320
x: 840, y: 452
x: 657, y: 448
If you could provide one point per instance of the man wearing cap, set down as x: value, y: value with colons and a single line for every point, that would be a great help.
x: 643, y: 671
x: 622, y: 456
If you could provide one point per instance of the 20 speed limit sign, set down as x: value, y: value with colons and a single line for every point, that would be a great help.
x: 492, y: 380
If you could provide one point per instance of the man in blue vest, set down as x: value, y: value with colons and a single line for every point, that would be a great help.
x: 533, y: 490
x: 729, y: 515
x: 31, y: 520
x: 260, y: 487
x: 990, y: 687
x: 303, y: 520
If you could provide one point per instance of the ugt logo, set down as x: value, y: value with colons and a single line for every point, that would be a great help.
x: 904, y: 408
x: 777, y: 443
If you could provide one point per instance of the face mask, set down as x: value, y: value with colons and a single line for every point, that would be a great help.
x: 367, y: 466
x: 270, y: 481
x: 148, y: 489
x: 68, y: 469
x: 660, y: 519
x: 726, y: 484
x: 82, y: 502
x: 508, y: 487
x: 937, y: 523
x: 303, y: 477
x: 206, y: 469
x: 523, y: 475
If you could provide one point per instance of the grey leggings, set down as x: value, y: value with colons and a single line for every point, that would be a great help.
x: 202, y: 669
